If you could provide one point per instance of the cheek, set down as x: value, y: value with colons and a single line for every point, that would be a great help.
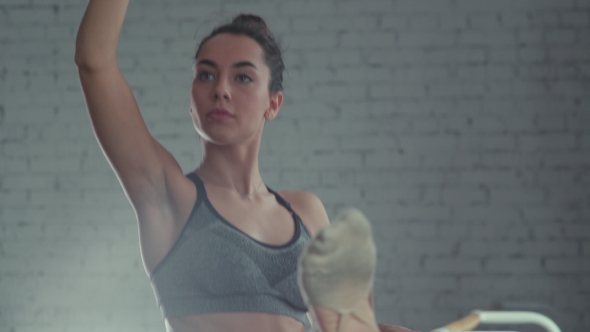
x: 258, y: 96
x: 198, y: 93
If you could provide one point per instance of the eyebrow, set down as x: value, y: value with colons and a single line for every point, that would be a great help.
x: 235, y: 65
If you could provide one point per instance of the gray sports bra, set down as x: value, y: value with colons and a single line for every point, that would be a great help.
x: 215, y: 267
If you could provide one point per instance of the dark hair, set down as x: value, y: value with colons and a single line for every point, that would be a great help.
x: 254, y: 27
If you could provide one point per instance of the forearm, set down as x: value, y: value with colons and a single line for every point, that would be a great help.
x: 98, y: 35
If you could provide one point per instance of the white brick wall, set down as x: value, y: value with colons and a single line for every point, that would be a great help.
x: 461, y: 127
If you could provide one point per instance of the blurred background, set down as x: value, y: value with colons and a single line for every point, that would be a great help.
x: 460, y: 127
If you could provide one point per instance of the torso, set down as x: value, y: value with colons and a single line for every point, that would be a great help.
x: 262, y: 218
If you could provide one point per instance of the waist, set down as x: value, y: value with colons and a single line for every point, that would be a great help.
x: 235, y: 321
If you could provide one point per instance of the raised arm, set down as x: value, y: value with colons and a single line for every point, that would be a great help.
x: 142, y: 165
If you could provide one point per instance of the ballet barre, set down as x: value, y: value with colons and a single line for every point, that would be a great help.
x: 477, y: 317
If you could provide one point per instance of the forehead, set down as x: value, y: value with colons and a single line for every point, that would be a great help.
x: 227, y: 49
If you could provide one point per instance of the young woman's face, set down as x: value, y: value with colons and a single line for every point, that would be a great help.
x: 230, y: 97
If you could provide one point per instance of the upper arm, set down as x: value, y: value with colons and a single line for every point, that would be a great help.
x: 310, y: 208
x: 140, y: 162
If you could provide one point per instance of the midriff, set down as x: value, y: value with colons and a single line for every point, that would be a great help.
x: 234, y: 321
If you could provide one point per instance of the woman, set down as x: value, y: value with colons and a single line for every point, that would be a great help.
x: 241, y: 238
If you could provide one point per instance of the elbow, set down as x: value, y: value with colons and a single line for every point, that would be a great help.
x: 91, y: 59
x: 79, y: 60
x: 82, y: 60
x: 95, y: 62
x: 80, y: 55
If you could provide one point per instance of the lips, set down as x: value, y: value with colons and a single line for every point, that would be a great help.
x: 219, y: 114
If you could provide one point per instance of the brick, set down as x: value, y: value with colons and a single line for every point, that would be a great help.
x: 461, y: 56
x: 409, y: 6
x: 385, y: 92
x: 460, y: 196
x: 502, y: 55
x: 539, y: 284
x: 546, y: 19
x: 431, y: 249
x: 425, y: 39
x: 489, y: 248
x: 515, y: 19
x: 368, y: 143
x: 385, y: 178
x: 530, y: 37
x: 13, y: 197
x: 487, y: 37
x: 564, y: 54
x: 565, y: 265
x: 425, y: 22
x: 423, y: 74
x: 500, y: 196
x: 453, y: 90
x: 339, y: 92
x: 484, y: 21
x: 395, y: 22
x: 395, y: 195
x: 428, y: 283
x: 452, y: 266
x: 578, y: 231
x: 309, y: 9
x: 585, y: 143
x: 482, y: 5
x: 477, y: 213
x: 364, y: 74
x: 532, y: 54
x: 51, y: 165
x: 575, y: 19
x: 513, y: 266
x: 484, y: 73
x: 11, y: 165
x: 319, y: 145
x: 72, y: 14
x: 416, y: 213
x: 32, y: 15
x: 391, y: 160
x: 332, y: 195
x: 560, y: 37
x: 373, y: 40
x: 399, y: 57
x: 365, y: 7
x: 338, y: 161
x: 550, y: 249
x: 496, y: 143
x: 452, y: 21
x: 21, y: 182
x: 550, y: 142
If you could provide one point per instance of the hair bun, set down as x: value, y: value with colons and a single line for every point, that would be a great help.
x: 251, y: 21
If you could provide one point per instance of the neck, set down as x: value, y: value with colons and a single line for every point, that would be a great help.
x: 232, y: 166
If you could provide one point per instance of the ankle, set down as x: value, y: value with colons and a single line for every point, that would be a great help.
x: 329, y: 320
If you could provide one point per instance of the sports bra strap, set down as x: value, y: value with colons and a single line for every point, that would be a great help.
x: 281, y: 200
x: 198, y: 182
x: 201, y: 190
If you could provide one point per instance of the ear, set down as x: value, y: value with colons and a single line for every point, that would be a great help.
x: 276, y: 101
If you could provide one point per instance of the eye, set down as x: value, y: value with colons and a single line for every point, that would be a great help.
x: 205, y: 76
x: 243, y: 78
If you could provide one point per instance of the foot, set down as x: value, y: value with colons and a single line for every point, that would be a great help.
x: 336, y: 274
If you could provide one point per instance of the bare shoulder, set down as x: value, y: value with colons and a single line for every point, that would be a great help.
x: 309, y: 207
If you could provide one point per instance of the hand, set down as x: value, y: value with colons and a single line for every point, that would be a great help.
x: 394, y: 328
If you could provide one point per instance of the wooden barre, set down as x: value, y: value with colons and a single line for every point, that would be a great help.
x: 467, y: 323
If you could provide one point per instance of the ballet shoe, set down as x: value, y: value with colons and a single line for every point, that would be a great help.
x: 337, y: 268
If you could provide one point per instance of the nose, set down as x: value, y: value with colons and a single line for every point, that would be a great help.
x: 222, y: 89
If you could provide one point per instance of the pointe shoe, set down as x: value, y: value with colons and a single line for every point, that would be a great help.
x: 337, y: 268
